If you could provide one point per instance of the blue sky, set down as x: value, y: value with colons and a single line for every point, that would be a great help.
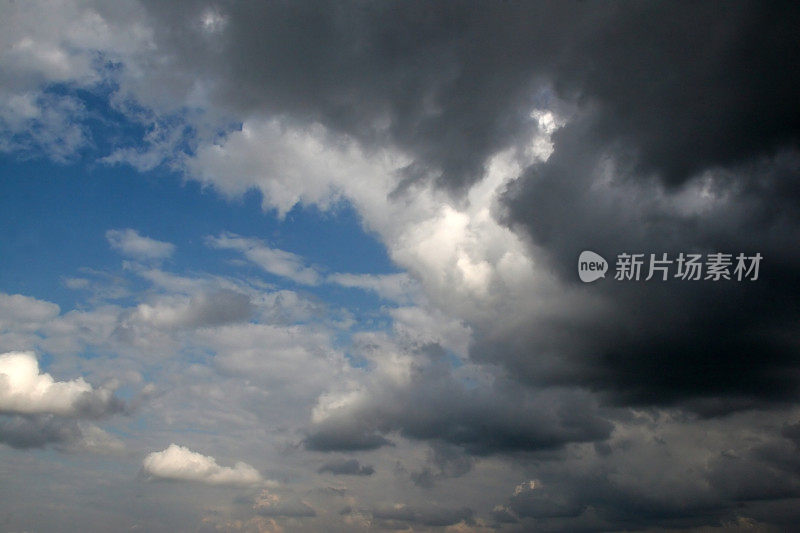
x: 311, y: 266
x: 57, y: 215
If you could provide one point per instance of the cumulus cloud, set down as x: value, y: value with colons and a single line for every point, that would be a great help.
x: 38, y: 411
x: 26, y: 390
x: 178, y: 463
x: 463, y: 257
x: 130, y: 243
x: 289, y: 165
x: 273, y: 260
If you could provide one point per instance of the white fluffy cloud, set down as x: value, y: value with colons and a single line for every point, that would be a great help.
x: 25, y: 390
x: 182, y: 464
x: 129, y: 242
x: 289, y: 165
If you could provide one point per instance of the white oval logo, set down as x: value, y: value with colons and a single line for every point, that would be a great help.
x: 591, y: 266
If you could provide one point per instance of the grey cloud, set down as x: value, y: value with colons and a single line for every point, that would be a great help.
x: 446, y: 461
x: 346, y: 467
x: 343, y: 437
x: 100, y: 404
x: 424, y: 478
x: 37, y: 431
x: 218, y: 308
x: 535, y: 505
x: 482, y: 420
x: 746, y: 478
x: 792, y: 432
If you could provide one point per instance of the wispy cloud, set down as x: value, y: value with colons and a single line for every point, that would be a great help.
x: 273, y: 260
x: 396, y: 287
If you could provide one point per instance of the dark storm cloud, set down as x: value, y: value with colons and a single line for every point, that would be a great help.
x: 714, y: 346
x: 343, y: 437
x: 687, y: 86
x: 346, y: 467
x: 678, y: 94
x: 429, y: 73
x: 693, y: 86
x: 792, y: 432
x: 768, y: 471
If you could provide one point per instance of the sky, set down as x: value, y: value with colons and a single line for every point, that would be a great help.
x: 317, y: 266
